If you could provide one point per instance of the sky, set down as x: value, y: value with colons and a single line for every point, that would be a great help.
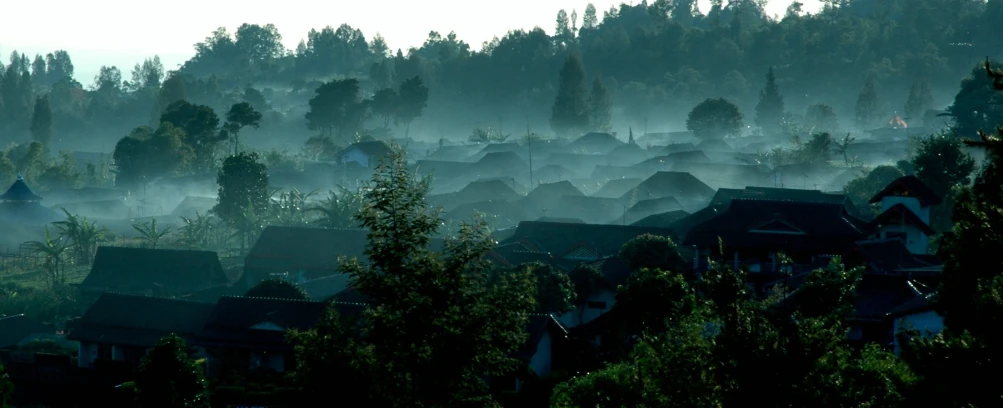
x: 122, y: 33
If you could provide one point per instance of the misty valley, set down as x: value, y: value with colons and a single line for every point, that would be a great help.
x: 648, y: 206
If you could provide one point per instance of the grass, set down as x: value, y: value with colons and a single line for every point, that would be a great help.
x: 36, y: 278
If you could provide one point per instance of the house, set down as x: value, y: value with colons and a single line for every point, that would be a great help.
x: 152, y: 272
x: 603, y: 172
x: 689, y: 190
x: 254, y: 329
x: 19, y: 204
x: 615, y: 188
x: 676, y: 148
x: 17, y: 329
x: 500, y: 164
x: 193, y: 205
x: 121, y: 327
x: 755, y: 231
x: 366, y: 154
x: 545, y: 337
x: 477, y: 191
x: 576, y: 162
x: 454, y: 152
x: 323, y: 288
x: 499, y: 214
x: 905, y: 213
x: 594, y: 143
x: 628, y: 154
x: 646, y: 208
x: 548, y: 196
x: 724, y: 175
x: 916, y: 314
x: 663, y: 220
x: 553, y: 173
x: 301, y: 254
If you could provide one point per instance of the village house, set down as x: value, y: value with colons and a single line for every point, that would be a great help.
x: 366, y: 154
x: 152, y: 272
x: 905, y: 213
x: 21, y: 205
x: 120, y: 327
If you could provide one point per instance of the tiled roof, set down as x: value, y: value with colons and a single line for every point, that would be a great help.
x: 909, y: 186
x: 815, y: 226
x: 139, y: 320
x: 19, y: 191
x: 132, y: 269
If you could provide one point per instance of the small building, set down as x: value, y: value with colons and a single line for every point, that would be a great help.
x: 253, y: 330
x: 153, y: 272
x: 366, y: 154
x: 21, y: 205
x: 121, y: 327
x: 905, y: 213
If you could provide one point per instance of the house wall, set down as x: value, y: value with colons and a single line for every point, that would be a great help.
x: 911, y: 203
x: 916, y: 242
x: 354, y: 155
x: 584, y: 314
x: 86, y: 354
x: 542, y: 361
x: 922, y: 321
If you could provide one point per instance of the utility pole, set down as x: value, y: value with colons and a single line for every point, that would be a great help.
x: 529, y: 143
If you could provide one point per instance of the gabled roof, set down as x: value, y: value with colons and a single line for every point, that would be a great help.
x: 645, y: 208
x: 139, y: 269
x: 372, y: 148
x: 663, y: 220
x: 548, y: 193
x: 681, y: 185
x: 19, y: 192
x: 909, y: 186
x: 314, y: 250
x: 617, y: 187
x: 14, y: 329
x: 139, y: 320
x: 499, y: 213
x: 595, y: 142
x: 899, y: 213
x: 263, y: 322
x: 889, y: 256
x: 539, y: 325
x: 504, y: 161
x: 557, y: 238
x: 757, y: 223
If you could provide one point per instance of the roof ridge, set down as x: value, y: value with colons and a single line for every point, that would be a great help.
x: 271, y: 298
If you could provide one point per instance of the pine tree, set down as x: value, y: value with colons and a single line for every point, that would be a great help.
x: 41, y: 121
x: 600, y: 107
x: 920, y: 100
x: 590, y: 20
x: 570, y: 114
x: 770, y: 109
x: 868, y: 105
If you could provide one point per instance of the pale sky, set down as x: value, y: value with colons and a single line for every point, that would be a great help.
x: 123, y: 32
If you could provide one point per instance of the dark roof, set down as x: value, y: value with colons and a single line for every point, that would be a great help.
x: 139, y: 320
x: 595, y: 209
x: 501, y: 163
x: 909, y: 186
x: 547, y: 194
x: 19, y: 192
x: 663, y: 220
x: 726, y: 174
x: 676, y: 148
x: 604, y: 172
x: 372, y: 148
x: 191, y: 204
x: 878, y: 295
x: 263, y: 322
x: 645, y: 208
x: 553, y: 173
x: 324, y: 288
x: 140, y: 269
x: 616, y: 188
x: 499, y: 213
x: 441, y: 168
x: 918, y: 304
x: 889, y: 256
x: 17, y: 328
x: 820, y: 227
x: 595, y: 142
x: 715, y: 145
x: 499, y: 147
x: 476, y: 191
x: 897, y: 214
x: 312, y: 250
x: 681, y: 185
x: 557, y: 238
x: 539, y: 325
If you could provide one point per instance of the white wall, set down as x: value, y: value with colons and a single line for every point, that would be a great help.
x: 542, y: 361
x: 922, y: 321
x: 355, y: 155
x: 912, y: 203
x: 585, y: 314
